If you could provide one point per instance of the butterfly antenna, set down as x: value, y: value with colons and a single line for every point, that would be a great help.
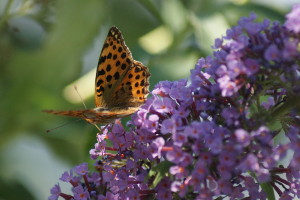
x: 76, y: 89
x: 64, y: 124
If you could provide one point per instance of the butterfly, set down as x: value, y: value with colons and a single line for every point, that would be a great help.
x: 121, y: 84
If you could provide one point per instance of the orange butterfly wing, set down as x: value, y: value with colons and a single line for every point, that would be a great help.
x: 121, y: 84
x: 114, y: 62
x: 133, y: 90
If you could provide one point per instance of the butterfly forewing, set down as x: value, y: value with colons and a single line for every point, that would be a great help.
x: 114, y: 62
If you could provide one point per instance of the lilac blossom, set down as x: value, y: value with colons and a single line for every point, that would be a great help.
x: 55, y: 192
x: 293, y: 21
x: 213, y: 136
x: 80, y: 193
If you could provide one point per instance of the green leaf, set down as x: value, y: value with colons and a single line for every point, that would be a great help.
x: 267, y: 188
x: 159, y: 172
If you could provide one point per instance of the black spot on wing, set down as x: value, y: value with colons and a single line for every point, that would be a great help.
x: 101, y: 89
x: 116, y: 75
x: 105, y: 45
x: 123, y: 66
x: 137, y: 69
x: 99, y: 82
x: 101, y: 72
x: 101, y: 60
x: 108, y: 68
x: 108, y: 78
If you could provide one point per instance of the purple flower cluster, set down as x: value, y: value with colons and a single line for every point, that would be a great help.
x: 218, y: 135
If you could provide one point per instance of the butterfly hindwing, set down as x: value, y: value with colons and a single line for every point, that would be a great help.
x: 114, y: 62
x: 133, y: 89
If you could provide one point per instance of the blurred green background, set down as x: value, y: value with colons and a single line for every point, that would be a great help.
x: 46, y: 45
